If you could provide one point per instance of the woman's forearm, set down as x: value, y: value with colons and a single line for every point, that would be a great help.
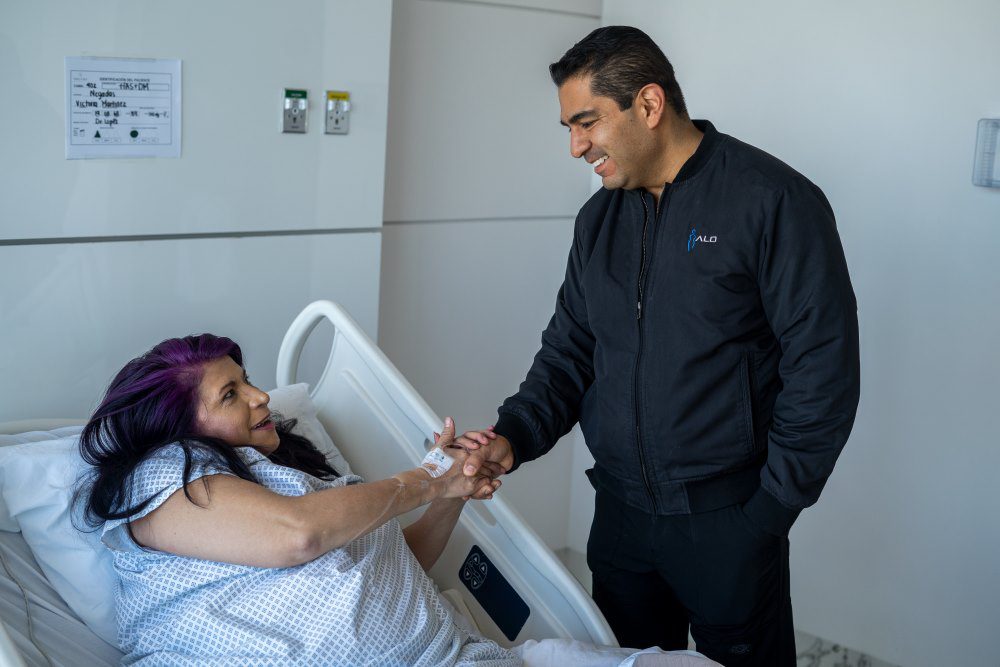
x: 428, y: 535
x: 233, y: 520
x: 332, y: 518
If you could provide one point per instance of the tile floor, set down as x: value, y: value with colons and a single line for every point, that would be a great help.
x: 817, y: 652
x: 812, y: 651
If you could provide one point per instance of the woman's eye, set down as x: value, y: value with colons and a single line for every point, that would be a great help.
x: 229, y: 395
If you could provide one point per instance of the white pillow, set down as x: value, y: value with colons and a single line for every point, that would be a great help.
x: 37, y: 481
x: 36, y: 486
x: 293, y: 401
x: 7, y: 522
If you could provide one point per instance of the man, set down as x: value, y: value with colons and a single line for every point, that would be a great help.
x: 706, y: 339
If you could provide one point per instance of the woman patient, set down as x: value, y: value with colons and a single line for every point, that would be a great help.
x: 237, y: 543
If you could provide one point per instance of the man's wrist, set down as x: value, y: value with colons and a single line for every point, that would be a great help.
x: 769, y: 513
x: 514, y: 430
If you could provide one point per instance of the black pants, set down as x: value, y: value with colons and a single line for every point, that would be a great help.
x: 715, y: 571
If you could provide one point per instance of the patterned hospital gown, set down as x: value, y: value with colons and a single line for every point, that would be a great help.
x: 368, y: 603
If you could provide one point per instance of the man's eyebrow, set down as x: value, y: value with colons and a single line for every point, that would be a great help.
x: 577, y: 117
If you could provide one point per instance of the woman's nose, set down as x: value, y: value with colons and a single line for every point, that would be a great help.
x: 258, y: 397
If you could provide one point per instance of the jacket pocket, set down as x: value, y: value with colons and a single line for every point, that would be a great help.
x: 747, y: 383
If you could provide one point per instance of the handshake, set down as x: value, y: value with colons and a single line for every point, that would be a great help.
x: 481, y: 457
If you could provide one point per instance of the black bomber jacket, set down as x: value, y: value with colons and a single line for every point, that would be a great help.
x: 708, y: 345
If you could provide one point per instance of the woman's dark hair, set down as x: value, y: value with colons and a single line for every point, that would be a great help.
x: 620, y: 60
x: 151, y: 404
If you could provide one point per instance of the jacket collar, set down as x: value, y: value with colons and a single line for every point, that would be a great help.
x: 696, y: 162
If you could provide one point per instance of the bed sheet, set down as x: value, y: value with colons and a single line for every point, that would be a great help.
x: 50, y: 633
x: 55, y: 636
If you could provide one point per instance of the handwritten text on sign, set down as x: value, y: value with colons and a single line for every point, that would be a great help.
x: 117, y: 106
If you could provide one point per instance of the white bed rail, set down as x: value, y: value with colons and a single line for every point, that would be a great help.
x: 360, y: 382
x: 9, y: 655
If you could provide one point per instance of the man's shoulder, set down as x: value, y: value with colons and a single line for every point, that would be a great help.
x: 596, y: 209
x: 598, y: 201
x: 760, y: 167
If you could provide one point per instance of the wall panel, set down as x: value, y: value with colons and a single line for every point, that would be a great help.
x: 73, y: 314
x: 481, y: 195
x: 590, y: 8
x: 474, y: 120
x: 463, y: 308
x: 236, y: 172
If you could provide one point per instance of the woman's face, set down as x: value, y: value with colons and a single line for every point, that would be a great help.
x: 232, y: 409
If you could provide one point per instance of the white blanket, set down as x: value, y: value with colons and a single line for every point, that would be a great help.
x: 561, y: 652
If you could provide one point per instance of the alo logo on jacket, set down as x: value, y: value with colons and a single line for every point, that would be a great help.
x: 696, y: 238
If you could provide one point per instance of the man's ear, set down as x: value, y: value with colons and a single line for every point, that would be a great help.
x: 651, y: 103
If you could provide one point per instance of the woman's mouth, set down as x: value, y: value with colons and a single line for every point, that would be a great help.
x: 264, y: 424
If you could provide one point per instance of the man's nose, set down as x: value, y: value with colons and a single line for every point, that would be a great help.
x: 578, y: 144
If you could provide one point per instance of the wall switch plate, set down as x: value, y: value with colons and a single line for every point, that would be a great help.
x: 986, y: 167
x: 338, y: 108
x: 295, y: 106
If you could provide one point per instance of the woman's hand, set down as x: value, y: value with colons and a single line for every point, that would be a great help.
x: 428, y: 535
x: 458, y: 484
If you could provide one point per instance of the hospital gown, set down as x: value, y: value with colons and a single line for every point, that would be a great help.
x: 368, y: 603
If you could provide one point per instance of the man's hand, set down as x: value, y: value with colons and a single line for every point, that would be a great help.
x: 489, y: 453
x: 477, y: 487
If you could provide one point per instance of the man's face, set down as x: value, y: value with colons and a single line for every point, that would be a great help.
x: 616, y: 142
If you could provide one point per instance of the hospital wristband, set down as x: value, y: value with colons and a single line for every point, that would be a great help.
x: 436, y: 462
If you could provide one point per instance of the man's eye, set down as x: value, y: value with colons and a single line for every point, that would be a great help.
x: 586, y: 125
x: 229, y: 395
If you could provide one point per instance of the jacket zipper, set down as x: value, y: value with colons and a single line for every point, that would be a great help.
x: 638, y: 356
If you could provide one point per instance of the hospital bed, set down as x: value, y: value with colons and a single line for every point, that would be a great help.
x: 496, y: 569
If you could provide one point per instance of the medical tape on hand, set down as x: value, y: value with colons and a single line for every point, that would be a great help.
x: 436, y: 462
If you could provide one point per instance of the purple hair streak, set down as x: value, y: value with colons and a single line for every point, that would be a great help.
x: 150, y: 404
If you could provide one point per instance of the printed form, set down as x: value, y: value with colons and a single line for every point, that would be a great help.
x: 118, y: 107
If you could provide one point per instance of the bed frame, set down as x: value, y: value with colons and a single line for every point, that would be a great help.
x: 494, y: 559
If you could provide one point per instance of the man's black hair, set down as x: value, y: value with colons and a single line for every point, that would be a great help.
x: 620, y: 60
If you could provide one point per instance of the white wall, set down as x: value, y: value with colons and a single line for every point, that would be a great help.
x: 481, y: 195
x: 237, y: 172
x: 878, y: 103
x: 100, y: 259
x: 75, y: 313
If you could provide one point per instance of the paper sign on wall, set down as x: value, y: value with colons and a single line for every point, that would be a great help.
x: 117, y: 107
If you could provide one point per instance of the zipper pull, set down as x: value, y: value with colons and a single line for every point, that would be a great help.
x: 638, y: 315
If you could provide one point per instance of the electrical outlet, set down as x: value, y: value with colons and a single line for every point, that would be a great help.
x: 338, y: 108
x: 294, y: 111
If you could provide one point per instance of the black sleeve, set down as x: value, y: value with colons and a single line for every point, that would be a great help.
x: 810, y: 305
x: 547, y: 404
